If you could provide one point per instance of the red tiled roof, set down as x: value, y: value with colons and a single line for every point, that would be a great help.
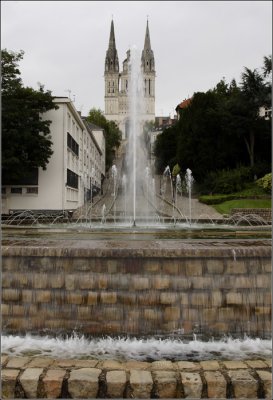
x: 185, y: 103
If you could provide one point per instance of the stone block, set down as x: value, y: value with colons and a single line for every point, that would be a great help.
x: 102, y: 281
x: 244, y: 385
x: 152, y: 266
x: 184, y: 298
x: 56, y: 281
x: 192, y: 384
x: 200, y: 299
x: 152, y: 314
x: 141, y: 383
x: 108, y: 297
x: 235, y: 365
x: 262, y: 310
x: 70, y: 281
x: 170, y: 267
x: 161, y: 282
x: 236, y: 267
x: 215, y: 266
x: 39, y: 281
x: 10, y: 295
x: 202, y: 282
x: 40, y: 362
x: 165, y: 384
x: 234, y: 298
x: 116, y: 382
x: 136, y: 365
x: 86, y: 281
x: 84, y: 383
x: 162, y: 365
x: 210, y: 365
x: 18, y: 362
x: 86, y: 363
x: 255, y: 364
x: 216, y: 298
x: 110, y: 365
x: 42, y: 296
x: 8, y: 382
x: 112, y: 266
x: 27, y: 296
x: 266, y: 378
x: 74, y: 298
x: 243, y: 282
x: 216, y: 384
x: 92, y: 298
x: 5, y: 309
x: 194, y: 267
x: 188, y: 366
x: 168, y: 298
x: 29, y: 381
x: 171, y: 313
x: 180, y: 283
x: 148, y: 298
x: 53, y: 382
x: 126, y: 298
x: 140, y: 283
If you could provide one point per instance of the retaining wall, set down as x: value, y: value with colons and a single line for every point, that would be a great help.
x: 137, y: 287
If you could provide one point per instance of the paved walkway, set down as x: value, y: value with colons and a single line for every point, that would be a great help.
x: 44, y: 377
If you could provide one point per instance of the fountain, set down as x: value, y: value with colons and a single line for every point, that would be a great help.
x: 184, y: 284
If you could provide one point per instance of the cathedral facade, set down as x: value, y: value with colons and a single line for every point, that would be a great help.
x: 116, y: 97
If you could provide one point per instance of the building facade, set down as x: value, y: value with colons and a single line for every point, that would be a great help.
x: 76, y: 166
x: 116, y: 96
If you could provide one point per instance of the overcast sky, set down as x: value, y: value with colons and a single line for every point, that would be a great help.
x: 195, y: 43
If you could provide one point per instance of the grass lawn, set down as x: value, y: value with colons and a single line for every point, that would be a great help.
x: 226, y: 206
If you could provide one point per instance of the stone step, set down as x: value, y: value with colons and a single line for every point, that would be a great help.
x: 44, y: 377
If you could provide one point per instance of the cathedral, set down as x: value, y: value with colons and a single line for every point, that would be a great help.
x: 116, y: 83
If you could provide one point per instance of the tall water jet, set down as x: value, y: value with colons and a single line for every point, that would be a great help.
x: 136, y: 154
x: 189, y: 181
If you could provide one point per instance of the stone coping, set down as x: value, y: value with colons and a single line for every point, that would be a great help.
x: 44, y: 377
x: 137, y: 248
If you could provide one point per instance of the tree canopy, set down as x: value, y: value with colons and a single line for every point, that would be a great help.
x: 222, y: 128
x: 112, y: 133
x: 26, y: 141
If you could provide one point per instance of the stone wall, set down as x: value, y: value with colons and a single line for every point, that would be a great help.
x: 43, y: 377
x: 264, y: 213
x: 114, y: 289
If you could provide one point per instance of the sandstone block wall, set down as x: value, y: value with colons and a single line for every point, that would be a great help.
x: 211, y: 291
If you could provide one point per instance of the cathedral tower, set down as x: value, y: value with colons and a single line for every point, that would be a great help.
x: 111, y: 77
x: 116, y: 83
x: 148, y: 70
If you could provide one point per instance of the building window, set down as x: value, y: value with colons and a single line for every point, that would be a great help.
x: 32, y: 190
x: 72, y: 144
x: 72, y: 179
x: 17, y: 190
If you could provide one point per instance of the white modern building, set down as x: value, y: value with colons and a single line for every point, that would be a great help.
x: 76, y: 166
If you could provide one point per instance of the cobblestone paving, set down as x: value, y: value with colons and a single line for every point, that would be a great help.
x: 42, y: 377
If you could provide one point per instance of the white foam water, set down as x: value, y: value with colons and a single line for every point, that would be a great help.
x: 150, y: 349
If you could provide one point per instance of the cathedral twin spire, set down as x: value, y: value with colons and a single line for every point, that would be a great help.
x: 111, y: 59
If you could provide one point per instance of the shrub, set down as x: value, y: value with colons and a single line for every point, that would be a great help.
x: 227, y: 181
x: 265, y: 182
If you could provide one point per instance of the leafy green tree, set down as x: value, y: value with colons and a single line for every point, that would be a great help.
x: 26, y: 140
x: 165, y: 149
x: 244, y: 115
x: 112, y: 133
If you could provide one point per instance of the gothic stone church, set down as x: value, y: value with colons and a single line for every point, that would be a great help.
x: 116, y: 83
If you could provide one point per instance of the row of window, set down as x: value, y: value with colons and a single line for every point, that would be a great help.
x: 20, y: 190
x: 72, y: 144
x: 72, y: 179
